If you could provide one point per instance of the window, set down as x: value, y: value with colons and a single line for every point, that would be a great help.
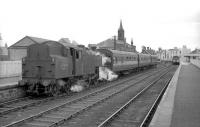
x: 77, y: 55
x: 80, y: 54
x: 71, y: 51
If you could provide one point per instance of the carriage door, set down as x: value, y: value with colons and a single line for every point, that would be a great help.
x: 73, y: 54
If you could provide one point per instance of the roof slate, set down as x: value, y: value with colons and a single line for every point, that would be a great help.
x: 33, y: 39
x: 38, y: 40
x: 110, y: 43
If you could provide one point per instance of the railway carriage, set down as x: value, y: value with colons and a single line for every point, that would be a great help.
x: 154, y: 60
x: 120, y: 60
x: 144, y: 60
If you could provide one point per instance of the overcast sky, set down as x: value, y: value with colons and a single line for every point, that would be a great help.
x: 154, y: 23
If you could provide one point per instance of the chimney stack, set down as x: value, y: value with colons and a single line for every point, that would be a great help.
x: 115, y: 43
x: 132, y: 42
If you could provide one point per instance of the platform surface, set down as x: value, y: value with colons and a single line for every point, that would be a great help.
x: 186, y: 111
x: 180, y: 106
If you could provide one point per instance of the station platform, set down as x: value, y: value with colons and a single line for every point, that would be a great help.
x: 9, y: 82
x: 180, y: 105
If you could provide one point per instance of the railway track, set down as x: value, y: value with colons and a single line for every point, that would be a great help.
x: 67, y: 110
x: 98, y: 113
x: 139, y: 109
x: 22, y: 103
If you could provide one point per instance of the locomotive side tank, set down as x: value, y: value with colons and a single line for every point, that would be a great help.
x: 52, y: 67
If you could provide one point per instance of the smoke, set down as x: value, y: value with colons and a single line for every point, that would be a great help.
x: 61, y: 82
x: 106, y: 74
x: 76, y: 88
x: 105, y: 59
x: 79, y: 86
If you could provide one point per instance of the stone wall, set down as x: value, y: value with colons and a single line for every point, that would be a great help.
x: 10, y: 68
x: 10, y: 93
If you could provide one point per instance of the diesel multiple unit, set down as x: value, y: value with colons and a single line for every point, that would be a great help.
x: 176, y: 60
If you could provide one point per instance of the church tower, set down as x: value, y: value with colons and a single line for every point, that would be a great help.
x: 121, y: 32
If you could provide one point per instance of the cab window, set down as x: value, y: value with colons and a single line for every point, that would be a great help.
x: 77, y: 55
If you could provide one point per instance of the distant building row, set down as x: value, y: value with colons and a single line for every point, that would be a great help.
x: 167, y: 55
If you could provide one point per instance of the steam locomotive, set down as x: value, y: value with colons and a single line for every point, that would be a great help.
x: 52, y: 67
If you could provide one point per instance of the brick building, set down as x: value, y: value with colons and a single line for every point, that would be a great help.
x: 116, y: 43
x: 19, y: 50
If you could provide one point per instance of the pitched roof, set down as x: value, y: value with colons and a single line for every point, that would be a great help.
x: 110, y: 43
x: 38, y: 40
x: 196, y: 51
x: 33, y: 40
x: 107, y: 43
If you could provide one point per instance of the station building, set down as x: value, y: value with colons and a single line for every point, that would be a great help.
x: 193, y: 57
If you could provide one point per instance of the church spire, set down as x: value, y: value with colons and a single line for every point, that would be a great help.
x: 121, y: 32
x: 121, y: 27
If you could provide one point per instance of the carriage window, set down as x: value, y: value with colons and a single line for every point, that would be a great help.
x: 80, y: 54
x: 71, y: 51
